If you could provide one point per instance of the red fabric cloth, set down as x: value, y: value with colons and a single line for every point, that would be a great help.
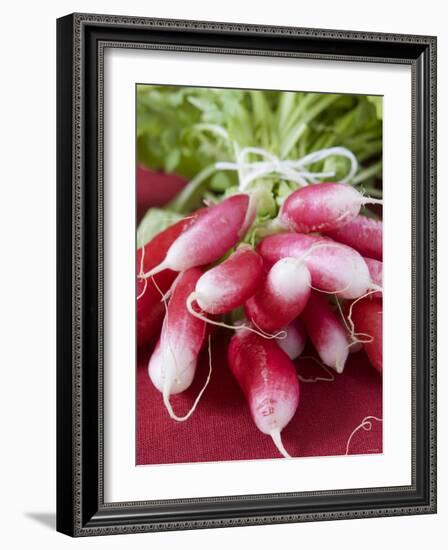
x: 221, y: 428
x: 155, y: 189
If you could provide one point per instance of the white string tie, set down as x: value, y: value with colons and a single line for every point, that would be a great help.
x: 287, y: 169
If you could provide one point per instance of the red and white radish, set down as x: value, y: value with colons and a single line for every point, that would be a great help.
x: 334, y: 267
x: 295, y: 340
x: 150, y: 308
x: 173, y: 364
x: 326, y: 332
x: 219, y: 228
x: 322, y: 207
x: 229, y: 284
x: 269, y: 382
x: 363, y: 234
x: 281, y: 297
x: 376, y: 274
x: 367, y: 318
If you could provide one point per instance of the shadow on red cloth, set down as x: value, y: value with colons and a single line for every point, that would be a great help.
x: 221, y: 428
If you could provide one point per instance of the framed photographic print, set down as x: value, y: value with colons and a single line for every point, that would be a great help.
x: 246, y: 233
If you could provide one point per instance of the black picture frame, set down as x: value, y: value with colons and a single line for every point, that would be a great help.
x: 81, y: 39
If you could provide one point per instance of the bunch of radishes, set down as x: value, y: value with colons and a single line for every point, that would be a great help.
x: 318, y: 275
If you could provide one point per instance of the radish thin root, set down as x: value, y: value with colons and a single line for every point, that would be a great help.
x: 366, y: 425
x: 140, y: 273
x: 339, y: 366
x: 350, y: 312
x: 154, y: 270
x: 331, y: 377
x: 278, y: 335
x: 277, y: 439
x: 370, y: 200
x: 335, y: 292
x: 165, y: 297
x: 353, y: 335
x: 166, y: 391
x: 142, y: 293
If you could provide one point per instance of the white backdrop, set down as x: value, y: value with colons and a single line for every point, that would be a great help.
x: 27, y: 290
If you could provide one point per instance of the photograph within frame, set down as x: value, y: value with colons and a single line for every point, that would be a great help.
x: 197, y: 147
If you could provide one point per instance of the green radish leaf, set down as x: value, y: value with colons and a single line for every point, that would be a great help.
x: 339, y: 165
x: 284, y: 189
x: 221, y: 181
x: 154, y: 221
x: 378, y: 102
x: 172, y: 160
x: 188, y: 130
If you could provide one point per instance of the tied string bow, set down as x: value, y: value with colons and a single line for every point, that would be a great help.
x: 291, y: 170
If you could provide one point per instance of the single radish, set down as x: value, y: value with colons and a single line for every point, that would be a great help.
x: 294, y: 342
x: 367, y: 318
x: 281, y: 297
x: 322, y: 207
x: 150, y: 308
x: 231, y: 283
x: 376, y: 274
x: 275, y: 247
x: 326, y: 332
x: 334, y: 267
x: 363, y: 234
x: 219, y: 228
x: 269, y: 382
x: 173, y: 364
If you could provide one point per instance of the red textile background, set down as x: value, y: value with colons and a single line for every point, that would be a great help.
x: 221, y: 428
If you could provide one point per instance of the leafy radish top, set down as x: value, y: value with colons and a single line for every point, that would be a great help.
x: 266, y: 143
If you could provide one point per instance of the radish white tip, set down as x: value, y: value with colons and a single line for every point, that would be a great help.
x: 167, y: 386
x: 339, y: 367
x: 277, y: 439
x: 154, y: 270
